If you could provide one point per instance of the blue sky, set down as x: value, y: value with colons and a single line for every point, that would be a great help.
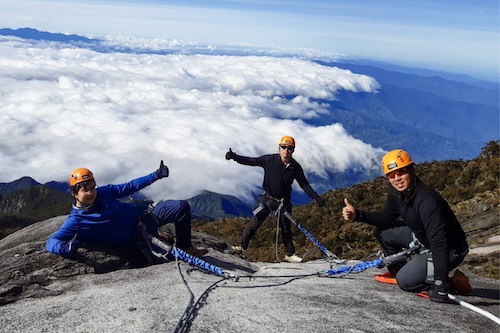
x: 455, y: 36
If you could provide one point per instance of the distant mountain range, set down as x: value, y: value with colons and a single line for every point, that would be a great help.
x: 432, y: 117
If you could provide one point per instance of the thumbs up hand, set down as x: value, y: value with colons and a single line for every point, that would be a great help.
x: 348, y: 212
x: 230, y: 154
x: 162, y: 171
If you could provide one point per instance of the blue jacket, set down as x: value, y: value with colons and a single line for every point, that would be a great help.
x: 106, y: 220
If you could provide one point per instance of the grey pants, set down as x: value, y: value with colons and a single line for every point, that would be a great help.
x: 414, y: 274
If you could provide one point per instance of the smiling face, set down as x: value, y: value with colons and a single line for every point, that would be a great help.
x: 401, y: 179
x: 85, y: 194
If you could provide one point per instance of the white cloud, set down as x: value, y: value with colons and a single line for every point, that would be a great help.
x: 120, y: 114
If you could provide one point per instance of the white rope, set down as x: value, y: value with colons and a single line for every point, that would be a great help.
x: 475, y: 309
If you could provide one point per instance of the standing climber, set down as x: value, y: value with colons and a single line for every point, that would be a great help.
x: 280, y: 170
x: 413, y: 208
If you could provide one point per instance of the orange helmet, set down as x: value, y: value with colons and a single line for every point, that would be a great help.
x: 80, y: 175
x: 395, y: 160
x: 287, y: 141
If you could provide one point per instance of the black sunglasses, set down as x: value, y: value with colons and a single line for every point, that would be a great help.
x: 399, y: 172
x: 287, y: 148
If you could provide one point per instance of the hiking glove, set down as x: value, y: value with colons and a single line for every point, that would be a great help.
x: 439, y: 292
x: 320, y: 201
x: 162, y: 171
x: 230, y: 155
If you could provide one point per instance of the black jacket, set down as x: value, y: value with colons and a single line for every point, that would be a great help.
x: 278, y: 178
x: 431, y: 219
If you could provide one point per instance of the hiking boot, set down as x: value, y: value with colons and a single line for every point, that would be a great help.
x: 387, y: 277
x: 293, y: 258
x: 165, y: 236
x: 237, y: 249
x: 459, y: 284
x: 194, y: 251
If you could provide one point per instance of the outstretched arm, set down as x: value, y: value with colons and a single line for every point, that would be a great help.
x: 252, y: 161
x: 122, y: 190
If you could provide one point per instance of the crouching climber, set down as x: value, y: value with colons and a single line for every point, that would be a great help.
x: 98, y: 216
x: 415, y: 209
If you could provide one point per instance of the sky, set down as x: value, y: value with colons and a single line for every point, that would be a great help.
x: 450, y: 35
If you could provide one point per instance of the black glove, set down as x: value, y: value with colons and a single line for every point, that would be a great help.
x: 162, y: 171
x: 320, y: 201
x: 439, y: 292
x: 230, y: 155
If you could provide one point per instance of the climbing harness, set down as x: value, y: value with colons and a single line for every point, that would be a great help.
x: 402, y: 256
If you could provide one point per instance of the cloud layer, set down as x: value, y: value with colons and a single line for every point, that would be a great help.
x: 119, y: 114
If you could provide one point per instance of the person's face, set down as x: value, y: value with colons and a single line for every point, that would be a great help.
x: 86, y: 194
x: 286, y: 151
x: 400, y: 179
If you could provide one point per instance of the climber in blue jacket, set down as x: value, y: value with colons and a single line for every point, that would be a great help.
x: 97, y: 215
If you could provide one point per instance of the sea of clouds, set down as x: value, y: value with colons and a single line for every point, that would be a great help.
x: 120, y: 113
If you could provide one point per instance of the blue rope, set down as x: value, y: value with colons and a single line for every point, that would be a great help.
x: 356, y: 268
x: 308, y: 234
x: 190, y: 259
x: 314, y: 240
x: 167, y: 250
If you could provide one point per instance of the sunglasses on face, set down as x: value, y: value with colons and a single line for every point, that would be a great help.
x: 287, y: 148
x: 399, y: 172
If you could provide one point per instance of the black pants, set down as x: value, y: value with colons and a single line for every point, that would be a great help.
x: 263, y: 209
x: 411, y: 275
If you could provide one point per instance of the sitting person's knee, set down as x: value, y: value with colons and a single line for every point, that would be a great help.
x: 184, y: 205
x: 408, y: 284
